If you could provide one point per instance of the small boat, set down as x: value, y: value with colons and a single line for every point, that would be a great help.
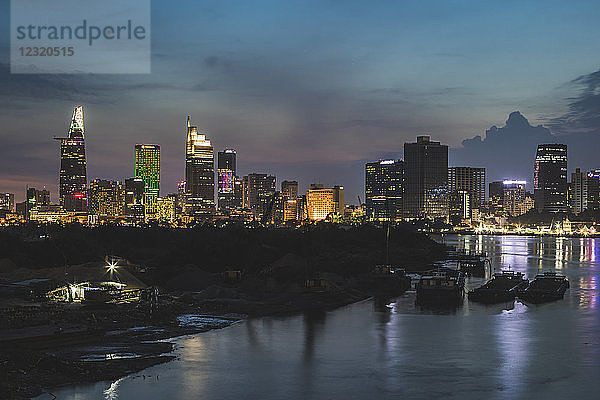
x: 393, y: 278
x: 501, y: 288
x: 441, y: 285
x: 545, y: 287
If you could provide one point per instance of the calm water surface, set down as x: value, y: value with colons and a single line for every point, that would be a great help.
x: 385, y: 350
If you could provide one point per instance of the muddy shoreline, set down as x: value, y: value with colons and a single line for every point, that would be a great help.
x: 122, y: 342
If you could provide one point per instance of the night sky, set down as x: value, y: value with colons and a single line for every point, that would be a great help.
x: 311, y: 90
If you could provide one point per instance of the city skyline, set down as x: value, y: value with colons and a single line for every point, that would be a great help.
x: 324, y: 96
x: 522, y: 123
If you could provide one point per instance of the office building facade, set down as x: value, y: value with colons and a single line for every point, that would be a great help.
x: 469, y: 179
x: 226, y: 177
x: 426, y: 179
x: 73, y: 165
x: 147, y: 168
x: 199, y: 171
x: 258, y: 192
x: 384, y: 188
x: 550, y: 178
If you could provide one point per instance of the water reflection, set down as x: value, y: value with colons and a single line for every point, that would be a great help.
x: 387, y: 350
x: 513, y: 342
x: 314, y: 323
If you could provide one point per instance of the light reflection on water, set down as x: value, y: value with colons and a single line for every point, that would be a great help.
x: 383, y: 349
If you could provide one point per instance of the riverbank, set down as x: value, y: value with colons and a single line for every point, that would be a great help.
x: 89, y: 345
x: 208, y: 278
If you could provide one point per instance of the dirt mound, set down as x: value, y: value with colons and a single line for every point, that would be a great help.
x: 190, y: 279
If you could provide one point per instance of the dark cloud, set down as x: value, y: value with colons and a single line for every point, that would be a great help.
x: 583, y: 115
x: 506, y: 152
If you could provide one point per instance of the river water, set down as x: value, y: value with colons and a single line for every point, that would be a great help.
x: 385, y: 350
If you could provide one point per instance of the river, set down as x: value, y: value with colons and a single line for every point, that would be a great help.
x: 385, y: 350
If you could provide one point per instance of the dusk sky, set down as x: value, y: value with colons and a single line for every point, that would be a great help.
x: 311, y: 90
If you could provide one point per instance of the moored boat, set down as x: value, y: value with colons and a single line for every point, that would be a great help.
x: 501, y: 288
x: 545, y: 287
x: 441, y: 285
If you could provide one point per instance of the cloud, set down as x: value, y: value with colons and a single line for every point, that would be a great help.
x: 506, y: 152
x: 583, y: 115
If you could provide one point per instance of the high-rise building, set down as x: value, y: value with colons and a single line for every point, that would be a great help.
x: 459, y: 206
x: 134, y: 198
x: 226, y: 176
x: 73, y: 170
x: 289, y: 191
x: 426, y: 179
x: 7, y: 202
x: 593, y: 190
x: 384, y: 187
x: 514, y: 198
x: 36, y: 198
x: 167, y: 208
x: 338, y: 200
x: 324, y: 202
x: 199, y: 171
x: 106, y: 198
x: 147, y: 167
x: 578, y: 191
x: 469, y: 179
x: 496, y: 197
x: 238, y: 192
x: 258, y: 192
x: 550, y: 178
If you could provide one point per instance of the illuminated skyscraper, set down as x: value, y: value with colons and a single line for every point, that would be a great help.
x: 167, y: 208
x: 226, y: 172
x: 469, y: 179
x: 496, y: 196
x: 134, y: 198
x: 459, y: 206
x: 199, y: 171
x: 550, y: 178
x: 7, y: 202
x: 384, y: 186
x: 107, y: 198
x: 147, y: 167
x: 324, y: 202
x: 258, y: 192
x: 73, y: 175
x: 289, y: 191
x: 426, y: 179
x: 514, y: 197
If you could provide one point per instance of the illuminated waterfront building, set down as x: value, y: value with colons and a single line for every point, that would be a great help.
x: 496, y: 197
x: 134, y: 198
x: 426, y: 179
x: 73, y: 170
x: 289, y: 191
x: 593, y: 190
x: 324, y: 202
x: 384, y: 187
x: 147, y: 168
x: 106, y: 198
x: 226, y: 177
x: 7, y: 202
x: 469, y: 179
x: 529, y: 202
x: 258, y: 192
x: 514, y: 198
x: 550, y: 178
x: 199, y: 171
x: 578, y: 191
x: 459, y: 206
